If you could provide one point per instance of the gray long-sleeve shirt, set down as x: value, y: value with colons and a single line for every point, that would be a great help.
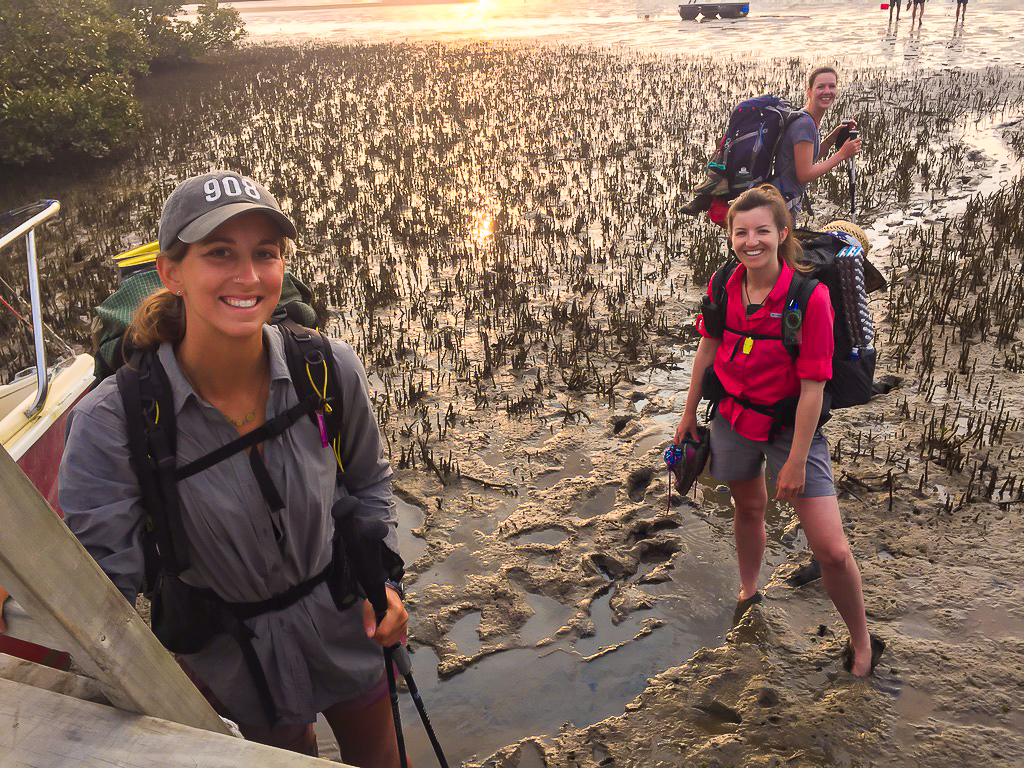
x: 313, y: 656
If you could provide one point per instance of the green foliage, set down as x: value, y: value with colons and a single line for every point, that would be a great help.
x: 217, y: 29
x: 57, y: 43
x: 66, y: 69
x: 93, y: 118
x: 174, y: 40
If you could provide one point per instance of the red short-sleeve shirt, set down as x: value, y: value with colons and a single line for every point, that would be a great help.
x: 761, y: 370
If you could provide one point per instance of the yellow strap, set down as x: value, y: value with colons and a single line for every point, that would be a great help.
x: 322, y: 391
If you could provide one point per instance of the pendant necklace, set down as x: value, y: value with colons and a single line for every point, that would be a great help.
x: 251, y: 415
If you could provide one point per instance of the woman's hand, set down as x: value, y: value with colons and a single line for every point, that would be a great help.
x: 849, y: 149
x: 833, y: 135
x: 392, y: 627
x: 790, y: 482
x: 687, y: 426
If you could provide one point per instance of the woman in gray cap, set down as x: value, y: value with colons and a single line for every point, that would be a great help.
x: 257, y: 524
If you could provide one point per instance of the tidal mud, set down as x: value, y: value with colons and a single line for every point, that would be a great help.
x: 496, y: 229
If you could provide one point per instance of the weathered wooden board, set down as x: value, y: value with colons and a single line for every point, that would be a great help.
x: 41, y: 729
x: 54, y: 579
x: 40, y: 676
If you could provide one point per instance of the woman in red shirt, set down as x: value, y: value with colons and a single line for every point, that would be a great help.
x: 757, y: 371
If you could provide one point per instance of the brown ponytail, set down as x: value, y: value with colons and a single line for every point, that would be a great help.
x: 161, y: 316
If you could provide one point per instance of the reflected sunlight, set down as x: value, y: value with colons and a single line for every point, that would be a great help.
x: 481, y: 227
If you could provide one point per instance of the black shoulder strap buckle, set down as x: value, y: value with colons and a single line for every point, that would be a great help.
x: 797, y: 298
x: 713, y: 308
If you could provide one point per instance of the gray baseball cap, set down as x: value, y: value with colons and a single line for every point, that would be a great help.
x: 199, y: 205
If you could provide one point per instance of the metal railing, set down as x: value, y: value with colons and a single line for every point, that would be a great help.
x: 48, y: 209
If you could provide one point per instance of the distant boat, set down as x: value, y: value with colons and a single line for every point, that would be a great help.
x: 692, y: 10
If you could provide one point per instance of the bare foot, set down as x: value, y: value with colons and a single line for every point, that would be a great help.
x: 861, y: 661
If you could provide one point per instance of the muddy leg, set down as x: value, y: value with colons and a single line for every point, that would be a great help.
x: 823, y: 525
x: 750, y: 498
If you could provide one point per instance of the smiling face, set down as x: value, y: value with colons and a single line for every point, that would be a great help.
x: 230, y: 281
x: 756, y: 238
x: 823, y: 91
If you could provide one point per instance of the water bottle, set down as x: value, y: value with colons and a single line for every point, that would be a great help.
x: 672, y: 455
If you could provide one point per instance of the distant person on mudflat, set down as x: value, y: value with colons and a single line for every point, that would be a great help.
x: 918, y: 9
x: 768, y: 408
x: 961, y: 11
x: 801, y: 157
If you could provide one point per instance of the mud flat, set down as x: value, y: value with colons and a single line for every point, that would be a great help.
x: 496, y: 229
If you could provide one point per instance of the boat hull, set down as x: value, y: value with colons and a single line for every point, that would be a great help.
x: 37, y: 442
x: 691, y: 11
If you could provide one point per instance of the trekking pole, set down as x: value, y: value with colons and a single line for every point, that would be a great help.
x: 364, y: 540
x: 852, y: 173
x: 389, y: 668
x: 360, y: 565
x: 404, y: 664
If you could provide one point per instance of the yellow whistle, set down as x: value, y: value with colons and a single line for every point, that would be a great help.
x: 748, y: 344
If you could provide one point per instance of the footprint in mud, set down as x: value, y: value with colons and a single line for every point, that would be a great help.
x: 646, y: 529
x: 885, y: 384
x: 637, y: 483
x: 610, y: 567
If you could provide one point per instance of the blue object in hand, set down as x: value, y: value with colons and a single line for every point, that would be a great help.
x: 673, y: 454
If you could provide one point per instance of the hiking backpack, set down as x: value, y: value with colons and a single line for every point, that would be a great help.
x: 745, y: 156
x: 746, y: 152
x: 837, y: 260
x: 138, y: 278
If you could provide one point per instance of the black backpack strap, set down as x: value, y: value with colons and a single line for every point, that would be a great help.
x: 797, y: 298
x: 713, y: 306
x: 313, y: 370
x: 719, y: 280
x: 149, y: 418
x: 266, y: 431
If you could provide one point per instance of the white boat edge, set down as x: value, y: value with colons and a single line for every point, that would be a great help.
x: 18, y: 433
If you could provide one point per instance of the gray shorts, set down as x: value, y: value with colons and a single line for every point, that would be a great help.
x: 735, y: 458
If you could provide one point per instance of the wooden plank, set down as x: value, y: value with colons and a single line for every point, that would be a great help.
x: 54, y: 579
x: 41, y: 729
x: 40, y: 676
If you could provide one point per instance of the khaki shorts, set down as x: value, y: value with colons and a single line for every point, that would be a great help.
x: 735, y: 458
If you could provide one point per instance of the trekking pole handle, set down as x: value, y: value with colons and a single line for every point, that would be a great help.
x: 400, y: 655
x: 362, y: 542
